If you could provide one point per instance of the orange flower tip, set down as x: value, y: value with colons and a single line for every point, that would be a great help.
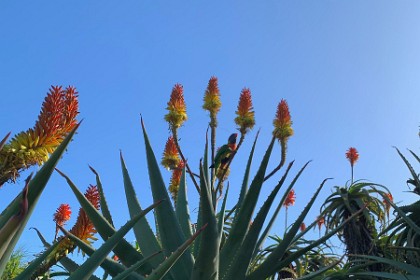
x: 170, y: 159
x: 290, y: 199
x: 320, y: 221
x: 352, y: 155
x: 282, y: 122
x: 213, y: 86
x: 386, y: 203
x: 212, y: 101
x: 177, y: 111
x: 62, y: 214
x: 245, y: 115
x: 302, y: 227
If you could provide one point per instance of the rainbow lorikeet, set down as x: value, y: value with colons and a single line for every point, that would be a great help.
x: 224, y: 152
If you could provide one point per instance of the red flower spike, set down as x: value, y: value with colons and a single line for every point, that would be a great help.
x: 170, y: 159
x: 352, y: 155
x: 283, y: 122
x: 321, y: 221
x: 84, y: 228
x: 212, y: 101
x: 61, y: 216
x: 177, y: 110
x: 290, y: 199
x: 245, y: 115
x: 176, y: 180
x: 387, y: 204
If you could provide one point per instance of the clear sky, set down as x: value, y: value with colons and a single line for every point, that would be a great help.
x: 350, y: 71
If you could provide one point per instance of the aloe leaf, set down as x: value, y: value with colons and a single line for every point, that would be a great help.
x: 127, y: 254
x: 243, y: 257
x: 415, y: 156
x: 221, y: 215
x: 269, y: 266
x: 207, y: 262
x: 134, y: 267
x: 181, y: 208
x: 387, y: 275
x: 197, y: 242
x: 104, y: 205
x: 159, y: 272
x: 3, y: 141
x: 8, y: 231
x: 240, y: 226
x: 92, y: 263
x: 266, y: 231
x: 34, y: 265
x: 143, y: 232
x: 412, y: 171
x: 35, y: 188
x: 170, y: 231
x: 205, y: 159
x: 244, y: 188
x: 400, y: 265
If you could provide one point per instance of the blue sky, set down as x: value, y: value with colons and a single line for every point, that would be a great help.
x: 350, y: 71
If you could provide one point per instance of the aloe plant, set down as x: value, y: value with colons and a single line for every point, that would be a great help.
x: 177, y: 248
x: 215, y: 251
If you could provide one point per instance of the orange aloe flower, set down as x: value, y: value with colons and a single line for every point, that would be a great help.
x: 34, y: 146
x: 84, y: 228
x: 212, y: 101
x: 245, y: 115
x: 283, y: 122
x: 302, y: 227
x: 176, y: 180
x: 321, y: 221
x: 387, y: 204
x: 290, y: 199
x: 352, y: 155
x: 177, y: 110
x: 170, y: 159
x: 61, y: 216
x: 283, y: 128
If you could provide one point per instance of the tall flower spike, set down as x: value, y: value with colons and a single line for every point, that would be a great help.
x: 55, y: 121
x: 290, y: 199
x: 352, y: 155
x: 177, y: 110
x: 170, y: 159
x: 212, y: 101
x: 84, y: 228
x: 61, y: 216
x: 245, y: 118
x: 283, y: 128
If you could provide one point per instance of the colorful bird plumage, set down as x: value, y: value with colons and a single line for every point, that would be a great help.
x: 224, y: 153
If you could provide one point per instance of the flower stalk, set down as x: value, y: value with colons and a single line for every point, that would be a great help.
x: 352, y: 155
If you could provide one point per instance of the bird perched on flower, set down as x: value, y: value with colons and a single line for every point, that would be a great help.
x: 224, y: 153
